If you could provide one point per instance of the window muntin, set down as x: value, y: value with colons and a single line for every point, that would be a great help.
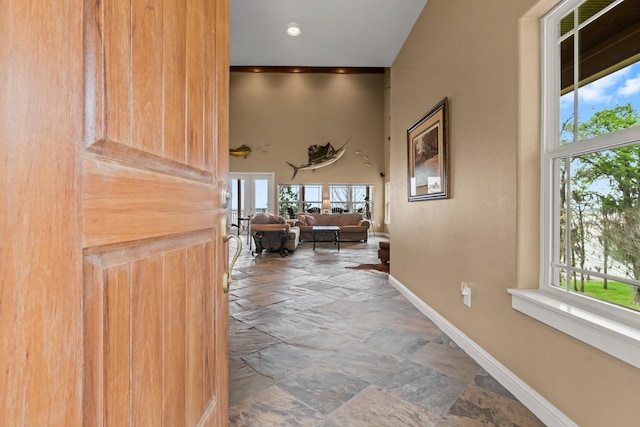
x: 600, y: 56
x: 592, y: 189
x: 312, y: 198
x: 295, y: 198
x: 289, y: 199
x: 352, y: 198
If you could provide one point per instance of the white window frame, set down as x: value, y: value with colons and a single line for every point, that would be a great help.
x: 608, y: 327
x: 352, y: 205
x: 313, y: 203
x: 298, y: 201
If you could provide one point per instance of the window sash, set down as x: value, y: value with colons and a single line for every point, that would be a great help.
x: 553, y: 152
x: 351, y: 197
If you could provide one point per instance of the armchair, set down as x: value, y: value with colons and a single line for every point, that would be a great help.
x: 274, y: 234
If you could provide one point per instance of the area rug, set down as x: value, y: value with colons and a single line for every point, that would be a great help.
x: 383, y: 268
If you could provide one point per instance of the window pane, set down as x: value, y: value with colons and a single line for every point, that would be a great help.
x: 559, y: 278
x: 312, y: 198
x: 603, y: 213
x: 567, y: 116
x: 590, y: 8
x: 352, y: 198
x: 261, y: 195
x: 566, y: 24
x: 338, y: 193
x: 559, y: 228
x: 608, y: 70
x: 313, y: 193
x: 288, y: 200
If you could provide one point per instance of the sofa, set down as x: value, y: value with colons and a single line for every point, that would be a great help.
x: 353, y: 226
x: 273, y: 233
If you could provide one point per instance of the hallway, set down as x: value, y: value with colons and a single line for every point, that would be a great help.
x: 314, y: 343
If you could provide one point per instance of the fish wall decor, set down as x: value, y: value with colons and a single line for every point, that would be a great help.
x: 320, y: 156
x: 242, y: 151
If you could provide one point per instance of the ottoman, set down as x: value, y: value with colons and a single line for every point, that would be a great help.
x: 383, y: 252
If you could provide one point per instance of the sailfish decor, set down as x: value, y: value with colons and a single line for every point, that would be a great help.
x: 320, y: 156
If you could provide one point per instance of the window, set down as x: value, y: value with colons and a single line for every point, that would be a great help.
x: 352, y: 198
x: 294, y: 198
x: 590, y: 175
x: 592, y: 167
x: 289, y: 200
x: 312, y: 198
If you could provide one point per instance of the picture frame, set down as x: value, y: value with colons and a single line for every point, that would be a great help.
x: 428, y: 154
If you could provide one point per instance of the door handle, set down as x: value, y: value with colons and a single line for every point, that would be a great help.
x: 227, y: 280
x: 225, y: 194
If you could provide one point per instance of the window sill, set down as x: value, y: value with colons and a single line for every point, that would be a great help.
x: 618, y: 339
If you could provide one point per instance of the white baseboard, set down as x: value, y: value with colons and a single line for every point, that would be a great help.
x: 542, y: 408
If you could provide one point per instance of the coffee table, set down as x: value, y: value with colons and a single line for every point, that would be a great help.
x: 326, y: 229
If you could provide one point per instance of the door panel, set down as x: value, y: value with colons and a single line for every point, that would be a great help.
x: 113, y: 139
x: 155, y: 313
x: 149, y: 332
x: 41, y: 108
x: 124, y: 203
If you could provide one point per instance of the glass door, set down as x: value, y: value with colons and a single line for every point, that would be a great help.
x: 251, y: 193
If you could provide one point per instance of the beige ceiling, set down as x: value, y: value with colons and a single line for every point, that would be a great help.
x: 335, y: 33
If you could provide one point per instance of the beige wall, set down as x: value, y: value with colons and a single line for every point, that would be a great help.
x: 279, y: 115
x: 483, y: 56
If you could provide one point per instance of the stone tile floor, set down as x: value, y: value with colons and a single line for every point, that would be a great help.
x: 314, y: 343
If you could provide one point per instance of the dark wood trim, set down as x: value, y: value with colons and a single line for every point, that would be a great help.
x: 317, y: 70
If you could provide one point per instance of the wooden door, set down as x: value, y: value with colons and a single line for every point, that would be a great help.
x: 113, y: 140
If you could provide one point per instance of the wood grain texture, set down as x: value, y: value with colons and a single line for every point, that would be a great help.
x: 93, y: 343
x: 99, y: 210
x: 112, y: 150
x: 140, y: 342
x: 313, y: 70
x: 123, y: 203
x: 195, y: 83
x: 40, y: 262
x: 117, y: 323
x: 117, y: 30
x: 211, y: 293
x: 220, y: 115
x: 174, y: 63
x: 151, y: 210
x: 146, y: 341
x: 209, y: 63
x: 195, y: 334
x: 146, y: 74
x: 174, y: 297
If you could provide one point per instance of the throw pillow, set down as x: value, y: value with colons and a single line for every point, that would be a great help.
x: 260, y: 218
x: 273, y: 219
x: 311, y: 220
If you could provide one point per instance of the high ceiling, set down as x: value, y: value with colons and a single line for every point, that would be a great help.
x: 335, y: 33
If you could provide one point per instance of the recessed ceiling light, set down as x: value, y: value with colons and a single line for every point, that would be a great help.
x: 293, y: 29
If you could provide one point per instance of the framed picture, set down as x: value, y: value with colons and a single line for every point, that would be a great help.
x: 427, y: 140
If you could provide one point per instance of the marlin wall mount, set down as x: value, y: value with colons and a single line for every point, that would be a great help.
x: 320, y: 156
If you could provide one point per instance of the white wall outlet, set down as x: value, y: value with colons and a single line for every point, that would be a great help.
x: 465, y: 290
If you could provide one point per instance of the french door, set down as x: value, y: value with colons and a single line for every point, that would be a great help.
x: 251, y: 193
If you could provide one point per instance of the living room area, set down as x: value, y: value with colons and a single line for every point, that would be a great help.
x: 484, y: 237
